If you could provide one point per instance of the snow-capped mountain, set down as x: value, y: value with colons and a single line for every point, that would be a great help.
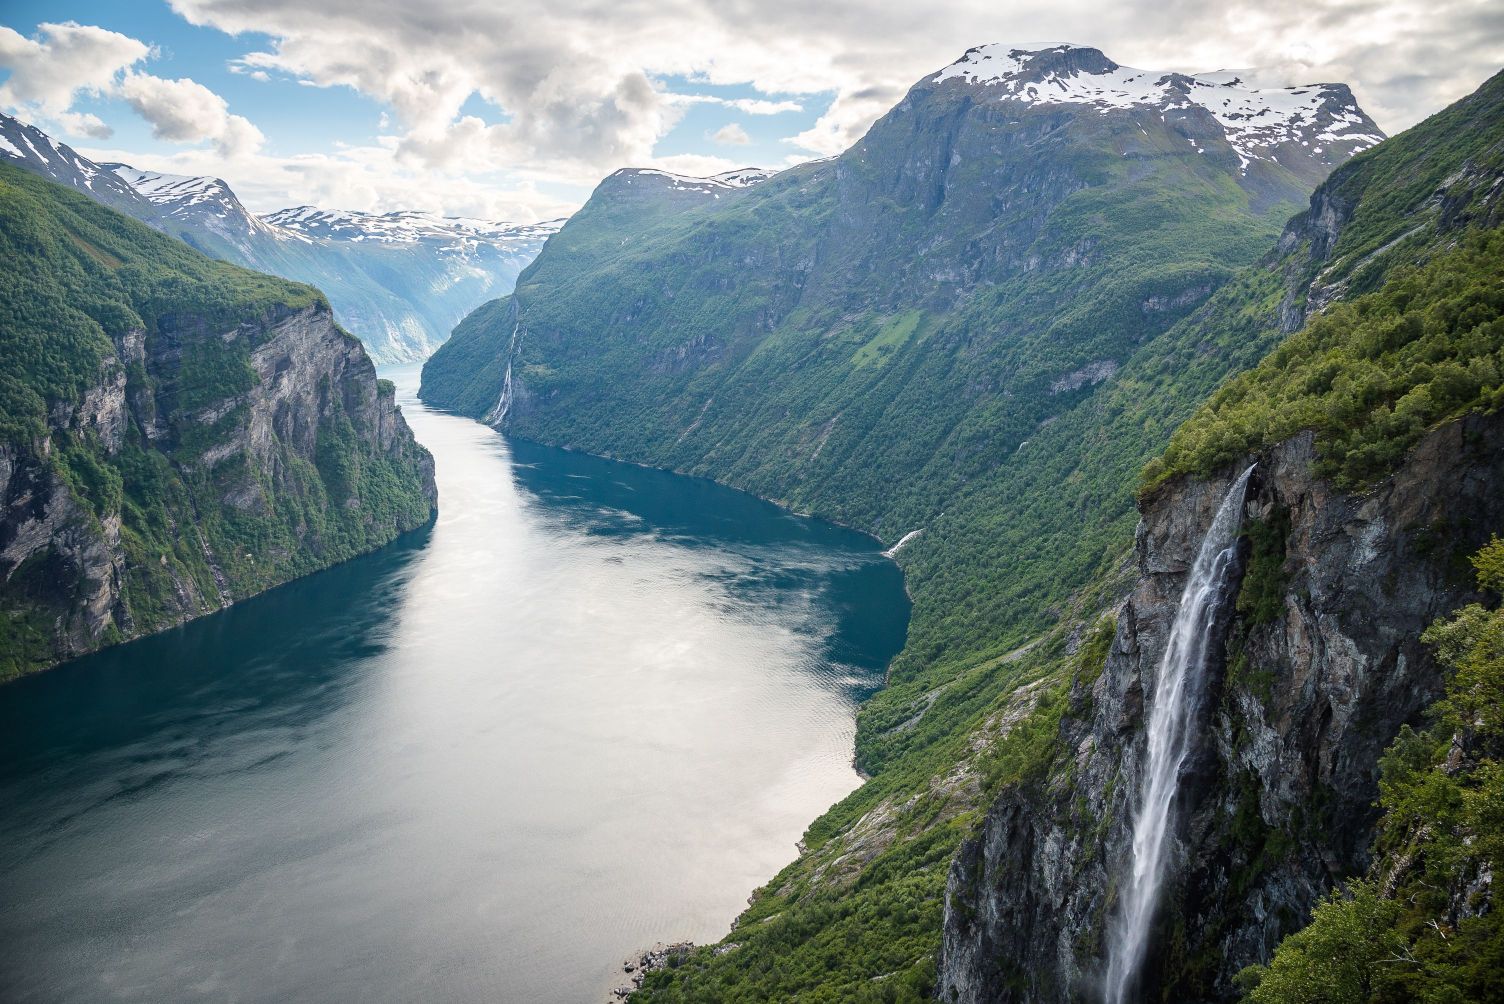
x: 1259, y: 123
x: 29, y: 147
x: 200, y: 201
x: 400, y: 281
x: 408, y: 226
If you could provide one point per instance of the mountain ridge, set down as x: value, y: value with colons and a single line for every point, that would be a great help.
x: 400, y: 289
x: 1258, y: 121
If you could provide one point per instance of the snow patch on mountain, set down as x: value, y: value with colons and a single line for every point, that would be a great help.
x: 410, y: 226
x: 171, y: 188
x: 198, y: 200
x: 744, y: 177
x: 1255, y: 120
x: 30, y: 148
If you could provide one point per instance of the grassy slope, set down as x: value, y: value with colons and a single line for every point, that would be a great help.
x: 80, y: 275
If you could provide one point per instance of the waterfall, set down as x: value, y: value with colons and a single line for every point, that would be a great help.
x: 498, y: 412
x: 1177, y: 692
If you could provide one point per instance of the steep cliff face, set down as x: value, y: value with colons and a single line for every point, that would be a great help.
x: 175, y: 434
x: 1318, y: 665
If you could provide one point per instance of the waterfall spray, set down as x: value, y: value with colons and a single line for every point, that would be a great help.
x: 1177, y: 692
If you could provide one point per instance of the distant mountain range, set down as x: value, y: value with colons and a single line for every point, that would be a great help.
x: 399, y: 280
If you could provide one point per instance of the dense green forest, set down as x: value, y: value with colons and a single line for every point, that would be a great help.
x: 95, y: 308
x: 1369, y: 377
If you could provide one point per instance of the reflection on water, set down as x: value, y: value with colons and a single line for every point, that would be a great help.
x: 590, y: 708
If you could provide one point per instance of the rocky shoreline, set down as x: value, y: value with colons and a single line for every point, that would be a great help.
x: 637, y: 967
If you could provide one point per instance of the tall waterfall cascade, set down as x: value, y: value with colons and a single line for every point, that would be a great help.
x: 498, y: 412
x: 1177, y: 693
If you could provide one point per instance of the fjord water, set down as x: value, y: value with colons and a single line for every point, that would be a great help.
x: 591, y: 707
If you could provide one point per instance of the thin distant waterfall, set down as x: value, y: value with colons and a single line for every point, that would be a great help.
x: 1177, y: 691
x: 498, y: 412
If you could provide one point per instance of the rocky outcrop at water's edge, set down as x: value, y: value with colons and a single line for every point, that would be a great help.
x: 298, y: 457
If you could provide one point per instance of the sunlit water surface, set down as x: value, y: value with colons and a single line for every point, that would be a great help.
x: 591, y: 708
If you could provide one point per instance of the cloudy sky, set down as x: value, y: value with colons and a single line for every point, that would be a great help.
x: 513, y: 109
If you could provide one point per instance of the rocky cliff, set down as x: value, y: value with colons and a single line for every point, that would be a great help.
x: 1319, y: 664
x: 175, y: 434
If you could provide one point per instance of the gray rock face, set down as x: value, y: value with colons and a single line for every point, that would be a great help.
x: 307, y: 372
x: 1277, y: 805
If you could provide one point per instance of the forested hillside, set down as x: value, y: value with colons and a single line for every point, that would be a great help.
x: 1024, y: 552
x: 175, y: 433
x: 1376, y: 437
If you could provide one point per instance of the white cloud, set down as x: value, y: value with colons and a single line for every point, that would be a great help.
x: 757, y: 106
x: 730, y: 134
x: 750, y: 106
x: 577, y: 108
x: 64, y: 61
x: 569, y: 108
x: 184, y: 111
x: 847, y: 119
x: 50, y: 71
x: 84, y: 124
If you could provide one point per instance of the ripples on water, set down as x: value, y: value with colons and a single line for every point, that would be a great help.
x: 592, y: 707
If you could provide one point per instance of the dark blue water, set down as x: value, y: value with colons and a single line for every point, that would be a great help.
x: 591, y: 708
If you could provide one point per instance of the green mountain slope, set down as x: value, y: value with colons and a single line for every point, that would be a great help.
x: 953, y: 735
x: 175, y: 433
x: 875, y: 337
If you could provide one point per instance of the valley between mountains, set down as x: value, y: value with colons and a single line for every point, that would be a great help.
x: 1176, y: 399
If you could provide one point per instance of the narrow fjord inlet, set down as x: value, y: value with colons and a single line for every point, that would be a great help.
x: 592, y: 707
